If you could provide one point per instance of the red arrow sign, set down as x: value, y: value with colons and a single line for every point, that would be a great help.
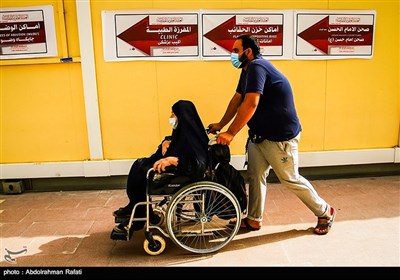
x: 226, y: 33
x: 144, y: 36
x: 322, y: 35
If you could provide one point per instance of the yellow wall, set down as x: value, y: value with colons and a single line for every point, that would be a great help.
x: 42, y: 106
x: 343, y: 104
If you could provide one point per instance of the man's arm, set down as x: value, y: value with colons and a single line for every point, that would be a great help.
x: 244, y: 114
x: 230, y: 112
x: 232, y: 108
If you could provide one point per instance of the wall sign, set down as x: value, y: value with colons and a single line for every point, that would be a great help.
x: 138, y: 35
x: 327, y: 35
x: 27, y: 32
x: 209, y: 35
x: 272, y: 29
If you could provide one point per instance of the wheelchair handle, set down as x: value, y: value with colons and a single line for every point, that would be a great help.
x: 213, y: 140
x: 148, y: 172
x: 208, y: 131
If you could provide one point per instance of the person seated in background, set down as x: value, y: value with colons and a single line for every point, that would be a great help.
x: 186, y: 149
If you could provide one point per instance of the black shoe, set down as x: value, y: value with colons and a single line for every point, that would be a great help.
x: 119, y: 220
x: 120, y: 232
x: 116, y: 235
x: 122, y: 227
x: 135, y: 226
x: 123, y: 212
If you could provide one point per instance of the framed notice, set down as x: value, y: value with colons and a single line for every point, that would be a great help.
x: 27, y: 32
x: 273, y: 29
x: 334, y: 34
x: 132, y: 35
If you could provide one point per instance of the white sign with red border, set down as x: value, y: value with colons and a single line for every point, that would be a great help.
x: 27, y: 32
x: 273, y: 29
x: 334, y: 34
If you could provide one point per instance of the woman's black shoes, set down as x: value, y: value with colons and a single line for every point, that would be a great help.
x: 120, y: 232
x: 122, y: 218
x: 117, y: 235
x: 122, y: 214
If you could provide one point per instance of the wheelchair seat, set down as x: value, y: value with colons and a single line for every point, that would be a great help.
x: 166, y: 183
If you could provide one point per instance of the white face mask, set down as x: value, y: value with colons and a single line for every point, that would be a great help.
x: 173, y: 122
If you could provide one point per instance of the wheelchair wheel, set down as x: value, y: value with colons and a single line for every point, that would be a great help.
x: 154, y: 248
x: 203, y: 217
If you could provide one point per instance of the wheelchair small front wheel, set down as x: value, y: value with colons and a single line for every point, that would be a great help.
x: 156, y: 247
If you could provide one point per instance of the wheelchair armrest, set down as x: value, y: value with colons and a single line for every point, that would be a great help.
x: 166, y: 182
x: 171, y: 169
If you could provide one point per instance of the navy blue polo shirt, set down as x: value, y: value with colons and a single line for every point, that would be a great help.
x: 275, y: 117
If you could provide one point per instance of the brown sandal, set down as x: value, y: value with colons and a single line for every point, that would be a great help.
x: 250, y: 224
x: 325, y: 223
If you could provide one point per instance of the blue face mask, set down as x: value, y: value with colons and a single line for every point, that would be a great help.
x: 235, y: 60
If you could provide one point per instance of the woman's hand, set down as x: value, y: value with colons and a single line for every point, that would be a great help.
x: 165, y: 146
x: 161, y: 164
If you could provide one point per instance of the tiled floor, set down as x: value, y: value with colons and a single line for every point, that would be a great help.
x: 72, y: 229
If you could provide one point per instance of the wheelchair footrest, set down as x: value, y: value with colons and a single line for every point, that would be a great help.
x: 119, y: 235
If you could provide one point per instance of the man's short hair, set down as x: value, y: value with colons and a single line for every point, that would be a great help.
x: 249, y: 41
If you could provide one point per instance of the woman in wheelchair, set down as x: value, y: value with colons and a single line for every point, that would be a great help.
x: 185, y: 149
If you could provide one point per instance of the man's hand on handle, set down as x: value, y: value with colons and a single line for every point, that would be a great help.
x: 224, y: 138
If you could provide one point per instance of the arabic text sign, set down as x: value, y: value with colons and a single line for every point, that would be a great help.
x: 334, y: 35
x: 26, y: 33
x: 221, y: 30
x: 139, y: 35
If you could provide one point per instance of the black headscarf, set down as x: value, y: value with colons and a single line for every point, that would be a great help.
x: 189, y: 141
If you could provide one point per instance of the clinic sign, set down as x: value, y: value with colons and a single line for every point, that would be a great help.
x: 27, y: 33
x: 334, y: 35
x: 158, y: 35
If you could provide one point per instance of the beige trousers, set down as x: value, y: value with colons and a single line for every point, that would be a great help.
x: 283, y: 158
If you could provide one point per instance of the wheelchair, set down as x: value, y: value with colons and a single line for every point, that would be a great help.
x: 200, y: 217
